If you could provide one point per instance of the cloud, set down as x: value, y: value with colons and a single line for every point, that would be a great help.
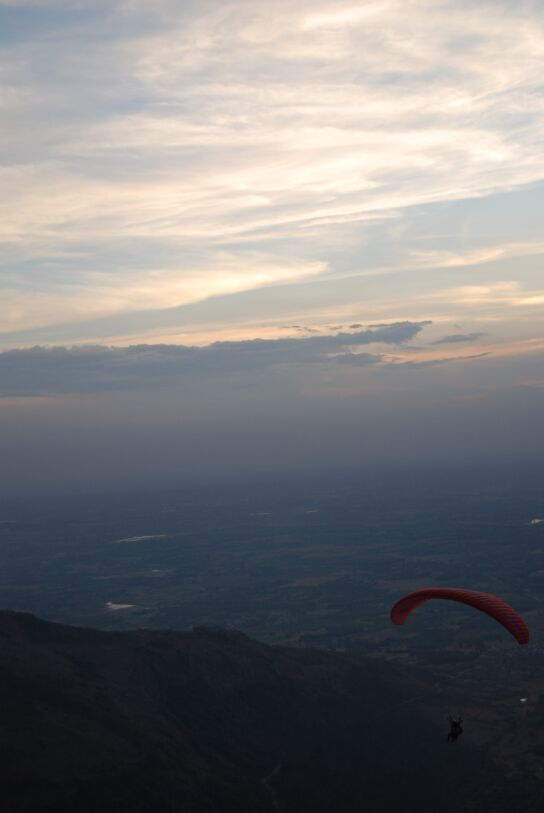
x: 303, y: 328
x: 169, y: 150
x: 357, y: 359
x: 40, y: 371
x: 436, y: 362
x: 505, y: 293
x: 457, y: 338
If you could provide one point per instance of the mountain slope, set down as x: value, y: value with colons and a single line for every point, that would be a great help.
x: 211, y: 721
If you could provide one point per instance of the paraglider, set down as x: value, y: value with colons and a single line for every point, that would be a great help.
x: 456, y: 728
x: 495, y: 607
x: 486, y: 603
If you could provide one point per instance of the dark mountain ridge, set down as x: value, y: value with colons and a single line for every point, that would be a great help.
x: 210, y: 721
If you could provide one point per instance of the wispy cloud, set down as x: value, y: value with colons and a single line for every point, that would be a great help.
x: 457, y: 338
x: 439, y: 361
x: 178, y: 151
x: 508, y: 293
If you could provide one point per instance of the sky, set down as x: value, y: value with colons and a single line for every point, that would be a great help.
x: 240, y: 235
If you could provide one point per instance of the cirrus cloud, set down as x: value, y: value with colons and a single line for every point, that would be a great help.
x: 181, y: 151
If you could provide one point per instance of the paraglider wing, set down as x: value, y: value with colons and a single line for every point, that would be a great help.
x: 486, y: 603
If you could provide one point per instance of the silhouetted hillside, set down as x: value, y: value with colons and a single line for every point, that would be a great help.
x: 214, y: 721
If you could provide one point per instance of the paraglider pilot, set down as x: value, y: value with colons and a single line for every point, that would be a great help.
x: 456, y: 728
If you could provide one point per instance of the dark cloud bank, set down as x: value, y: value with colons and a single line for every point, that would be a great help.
x: 88, y: 369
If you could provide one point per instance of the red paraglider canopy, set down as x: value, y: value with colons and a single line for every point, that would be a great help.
x: 493, y: 606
